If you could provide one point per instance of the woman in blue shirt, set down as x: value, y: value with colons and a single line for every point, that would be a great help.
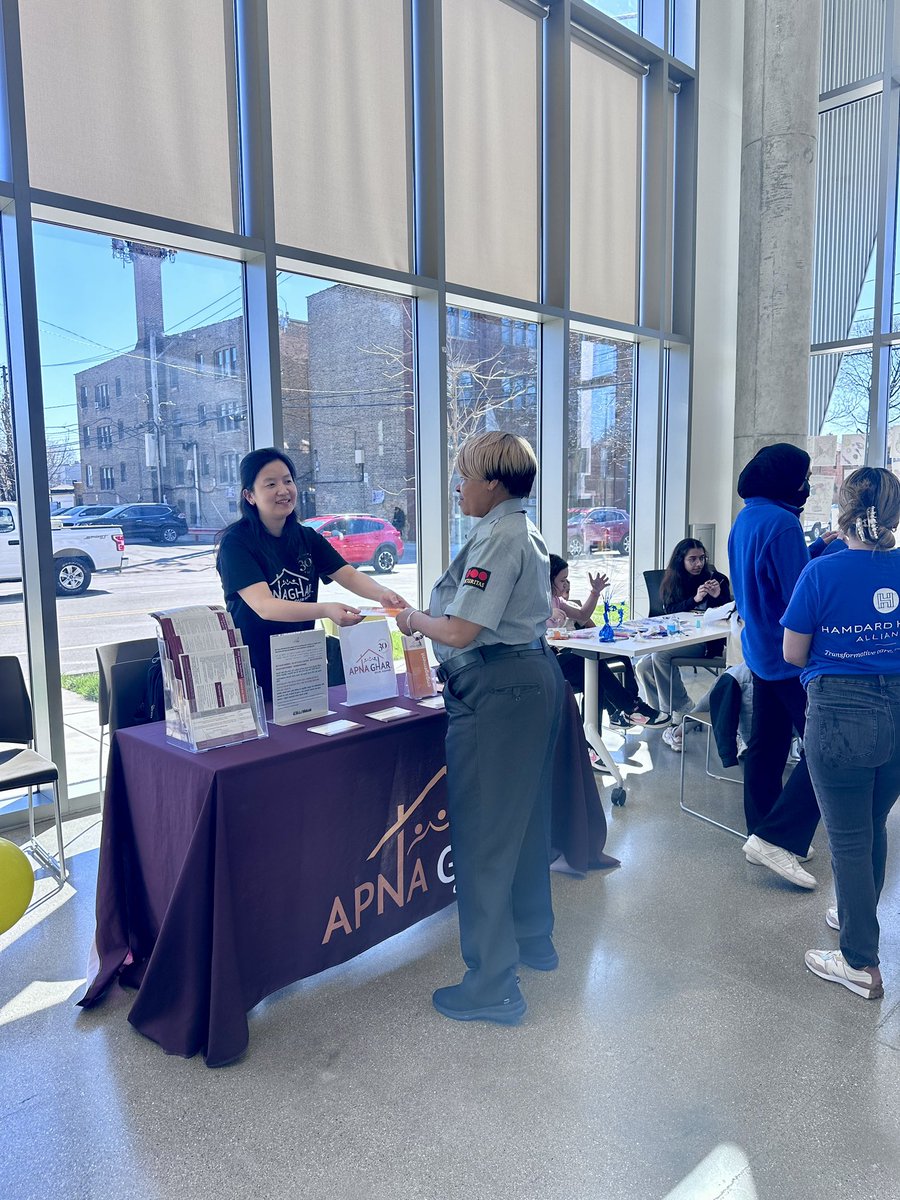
x: 842, y: 627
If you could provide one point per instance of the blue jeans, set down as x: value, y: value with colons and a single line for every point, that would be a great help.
x: 852, y: 745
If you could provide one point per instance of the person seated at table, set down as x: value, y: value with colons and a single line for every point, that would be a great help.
x: 690, y: 584
x: 620, y: 698
x: 271, y: 565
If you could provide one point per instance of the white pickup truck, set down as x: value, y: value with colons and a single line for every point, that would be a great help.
x: 77, y: 553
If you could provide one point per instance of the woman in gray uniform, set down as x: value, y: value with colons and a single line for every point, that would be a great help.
x: 503, y: 692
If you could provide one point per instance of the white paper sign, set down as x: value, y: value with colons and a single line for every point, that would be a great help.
x: 334, y: 727
x: 299, y: 676
x: 390, y: 714
x: 368, y: 659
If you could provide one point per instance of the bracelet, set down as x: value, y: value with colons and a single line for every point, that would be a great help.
x: 409, y: 620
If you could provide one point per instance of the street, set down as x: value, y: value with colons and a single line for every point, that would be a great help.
x: 116, y: 607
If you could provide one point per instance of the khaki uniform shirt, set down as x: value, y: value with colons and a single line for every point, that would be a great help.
x: 500, y: 579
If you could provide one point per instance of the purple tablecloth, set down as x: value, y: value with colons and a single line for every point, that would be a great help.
x: 225, y: 876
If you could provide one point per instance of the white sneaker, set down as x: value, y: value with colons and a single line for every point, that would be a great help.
x: 674, y: 738
x: 830, y: 965
x: 777, y: 859
x: 831, y: 918
x: 809, y: 855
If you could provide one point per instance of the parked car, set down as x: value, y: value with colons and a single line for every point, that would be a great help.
x: 158, y: 522
x: 361, y: 538
x: 599, y: 528
x: 80, y: 512
x: 76, y: 556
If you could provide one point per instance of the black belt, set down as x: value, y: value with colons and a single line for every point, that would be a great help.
x: 483, y: 654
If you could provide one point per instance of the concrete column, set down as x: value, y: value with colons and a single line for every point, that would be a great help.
x: 778, y: 195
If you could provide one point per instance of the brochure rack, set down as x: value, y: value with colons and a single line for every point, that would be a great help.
x: 211, y: 695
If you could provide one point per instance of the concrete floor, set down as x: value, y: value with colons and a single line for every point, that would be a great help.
x: 681, y: 1050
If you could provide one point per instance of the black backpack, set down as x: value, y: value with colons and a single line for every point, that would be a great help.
x: 153, y: 705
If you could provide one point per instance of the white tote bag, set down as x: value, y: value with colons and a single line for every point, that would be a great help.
x: 368, y: 660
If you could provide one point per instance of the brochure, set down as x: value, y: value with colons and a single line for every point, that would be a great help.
x: 299, y: 676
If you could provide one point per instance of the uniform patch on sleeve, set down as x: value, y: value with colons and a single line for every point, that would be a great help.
x: 476, y: 577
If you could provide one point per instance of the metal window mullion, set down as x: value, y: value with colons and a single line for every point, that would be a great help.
x: 431, y: 307
x: 654, y: 207
x: 648, y: 466
x: 885, y: 252
x: 555, y: 277
x: 258, y: 222
x: 32, y: 483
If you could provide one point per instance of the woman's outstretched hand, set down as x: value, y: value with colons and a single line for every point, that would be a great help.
x: 342, y: 614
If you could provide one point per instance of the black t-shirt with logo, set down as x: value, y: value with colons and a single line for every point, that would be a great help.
x: 291, y: 565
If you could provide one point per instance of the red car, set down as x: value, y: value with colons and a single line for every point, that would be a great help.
x: 361, y: 539
x: 598, y: 528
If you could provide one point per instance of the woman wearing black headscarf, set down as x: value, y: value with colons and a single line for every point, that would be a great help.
x: 767, y: 551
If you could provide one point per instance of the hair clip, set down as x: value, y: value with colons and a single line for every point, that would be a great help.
x: 872, y: 522
x: 860, y: 529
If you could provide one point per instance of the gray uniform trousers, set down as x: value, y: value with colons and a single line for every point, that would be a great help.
x: 504, y: 718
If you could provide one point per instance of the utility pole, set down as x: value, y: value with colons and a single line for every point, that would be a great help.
x: 158, y: 451
x: 192, y: 446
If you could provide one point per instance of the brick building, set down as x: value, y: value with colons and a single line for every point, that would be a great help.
x: 167, y: 422
x: 361, y: 379
x: 601, y: 388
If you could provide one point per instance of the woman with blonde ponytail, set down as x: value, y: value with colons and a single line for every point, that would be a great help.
x: 842, y: 627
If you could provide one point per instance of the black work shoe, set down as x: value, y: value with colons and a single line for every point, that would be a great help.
x: 539, y: 954
x: 452, y: 1002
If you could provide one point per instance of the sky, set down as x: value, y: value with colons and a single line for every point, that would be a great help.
x: 86, y: 307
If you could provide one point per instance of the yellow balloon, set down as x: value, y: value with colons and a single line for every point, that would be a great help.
x: 16, y: 884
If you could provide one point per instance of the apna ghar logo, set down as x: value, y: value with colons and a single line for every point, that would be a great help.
x: 409, y: 874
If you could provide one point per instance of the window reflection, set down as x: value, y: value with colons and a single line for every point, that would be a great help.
x: 143, y: 433
x: 348, y: 408
x: 840, y: 385
x: 598, y: 527
x: 492, y: 383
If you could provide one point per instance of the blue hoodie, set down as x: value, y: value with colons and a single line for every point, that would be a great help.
x: 766, y: 553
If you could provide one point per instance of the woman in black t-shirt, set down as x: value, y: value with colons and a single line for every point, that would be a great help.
x: 270, y: 564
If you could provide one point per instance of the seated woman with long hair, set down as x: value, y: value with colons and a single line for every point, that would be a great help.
x: 690, y: 584
x: 621, y: 699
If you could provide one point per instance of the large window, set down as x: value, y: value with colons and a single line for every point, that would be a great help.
x: 108, y: 87
x: 136, y: 315
x: 492, y: 383
x: 492, y: 105
x: 277, y: 268
x: 840, y: 386
x: 348, y: 408
x: 598, y: 527
x: 854, y: 388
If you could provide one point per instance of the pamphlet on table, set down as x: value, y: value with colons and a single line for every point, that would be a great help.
x: 299, y: 676
x: 211, y: 693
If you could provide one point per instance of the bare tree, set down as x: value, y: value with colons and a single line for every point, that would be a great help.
x: 7, y: 448
x: 479, y: 390
x: 60, y: 460
x: 60, y: 454
x: 848, y: 404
